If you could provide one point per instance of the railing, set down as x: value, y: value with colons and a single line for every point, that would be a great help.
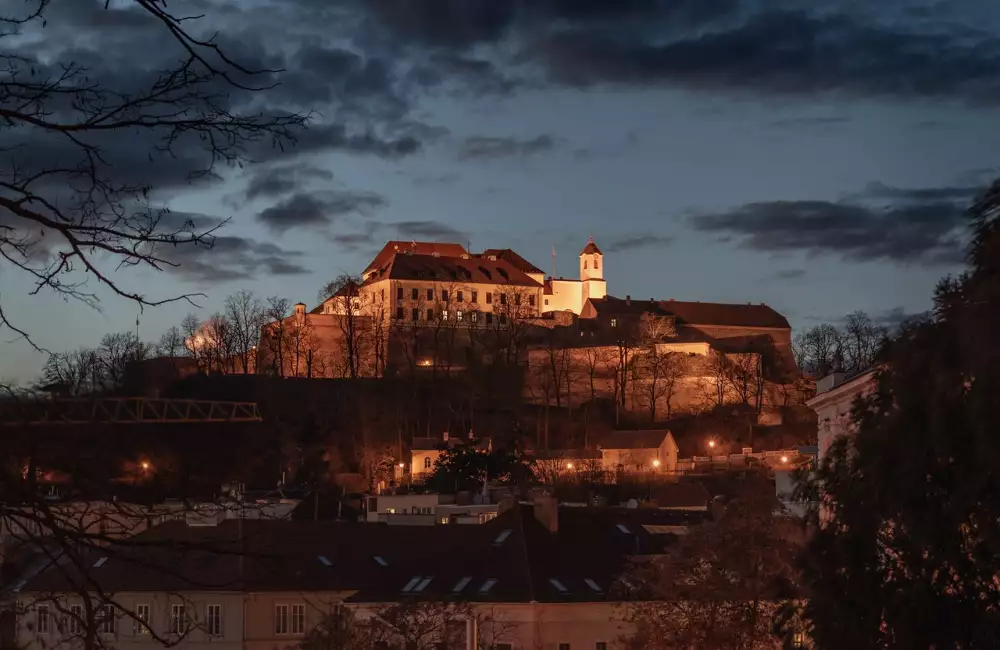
x: 789, y: 458
x: 123, y: 410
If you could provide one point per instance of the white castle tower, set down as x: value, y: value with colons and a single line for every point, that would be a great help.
x: 592, y: 272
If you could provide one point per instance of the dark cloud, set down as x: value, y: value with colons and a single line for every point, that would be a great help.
x: 790, y: 274
x: 272, y: 181
x: 481, y: 147
x: 897, y: 316
x: 961, y: 193
x: 637, y: 241
x: 813, y: 122
x: 318, y: 209
x: 427, y: 230
x: 917, y: 226
x: 719, y: 45
x: 220, y: 257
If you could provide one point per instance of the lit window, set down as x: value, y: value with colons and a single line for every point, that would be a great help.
x: 444, y: 314
x: 281, y: 619
x: 458, y: 315
x: 213, y: 620
x: 42, y: 619
x: 178, y: 619
x: 614, y: 322
x: 141, y: 623
x: 799, y: 640
x: 298, y: 619
x: 474, y: 317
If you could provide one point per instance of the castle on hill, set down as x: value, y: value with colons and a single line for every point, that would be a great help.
x: 421, y: 305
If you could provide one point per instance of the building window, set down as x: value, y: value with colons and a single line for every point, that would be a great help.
x: 106, y: 620
x: 584, y: 264
x: 400, y: 313
x: 597, y: 262
x: 475, y: 296
x: 178, y: 619
x: 415, y: 314
x: 546, y: 302
x: 459, y: 296
x: 517, y: 299
x: 141, y: 623
x: 458, y: 315
x: 600, y: 645
x: 444, y: 314
x: 399, y: 293
x: 474, y: 317
x: 76, y: 619
x: 430, y: 314
x: 798, y: 640
x: 427, y: 462
x: 383, y: 295
x: 564, y: 646
x: 415, y: 294
x: 503, y: 299
x: 213, y: 620
x: 503, y: 319
x: 444, y: 295
x: 42, y: 619
x: 531, y: 300
x: 298, y: 619
x: 430, y: 294
x: 489, y: 318
x: 281, y: 619
x: 614, y: 322
x: 489, y: 298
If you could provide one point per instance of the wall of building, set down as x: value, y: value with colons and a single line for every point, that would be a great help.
x: 833, y: 409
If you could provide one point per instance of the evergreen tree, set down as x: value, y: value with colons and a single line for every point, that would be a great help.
x: 906, y: 547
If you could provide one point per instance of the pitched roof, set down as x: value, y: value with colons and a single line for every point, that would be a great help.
x: 418, y: 247
x: 455, y: 269
x: 642, y: 439
x: 513, y: 558
x: 724, y: 314
x: 591, y: 248
x: 508, y: 255
x: 612, y: 306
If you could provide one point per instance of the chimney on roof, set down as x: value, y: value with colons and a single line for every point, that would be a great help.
x: 546, y: 510
x: 628, y: 299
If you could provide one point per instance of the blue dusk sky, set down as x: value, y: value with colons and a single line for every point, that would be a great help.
x: 814, y: 156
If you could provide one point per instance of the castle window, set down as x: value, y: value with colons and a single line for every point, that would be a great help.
x: 459, y: 296
x: 489, y: 298
x: 458, y: 315
x: 430, y: 314
x: 427, y: 462
x: 597, y: 263
x: 614, y: 322
x: 474, y: 316
x: 415, y: 314
x: 546, y: 301
x: 517, y: 299
x: 531, y: 300
x: 399, y: 293
x: 430, y: 294
x: 585, y: 264
x: 444, y: 314
x: 489, y: 318
x: 444, y: 295
x: 475, y: 296
x: 414, y: 293
x: 400, y: 313
x: 503, y: 299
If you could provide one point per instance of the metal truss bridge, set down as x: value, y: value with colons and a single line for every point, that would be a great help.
x: 123, y: 410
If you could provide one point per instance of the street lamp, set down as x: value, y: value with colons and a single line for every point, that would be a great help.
x: 656, y: 462
x: 711, y: 444
x: 784, y: 459
x: 569, y: 465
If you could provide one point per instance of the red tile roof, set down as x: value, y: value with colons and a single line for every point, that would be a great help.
x: 591, y: 248
x: 513, y: 258
x: 476, y: 270
x: 723, y: 314
x: 420, y: 248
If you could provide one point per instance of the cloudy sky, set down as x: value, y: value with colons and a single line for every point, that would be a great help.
x: 815, y: 156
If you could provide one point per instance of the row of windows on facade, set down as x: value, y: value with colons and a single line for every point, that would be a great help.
x: 288, y: 619
x: 445, y: 315
x: 460, y: 296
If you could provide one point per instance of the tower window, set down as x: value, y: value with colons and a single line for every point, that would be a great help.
x: 584, y: 263
x: 531, y: 300
x: 597, y: 262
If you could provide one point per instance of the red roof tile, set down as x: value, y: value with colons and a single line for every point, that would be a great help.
x: 420, y: 248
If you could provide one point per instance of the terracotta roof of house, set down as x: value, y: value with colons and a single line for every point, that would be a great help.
x: 723, y: 314
x: 475, y: 270
x: 641, y: 439
x: 591, y: 248
x: 420, y: 248
x: 513, y: 558
x: 610, y: 305
x: 513, y: 258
